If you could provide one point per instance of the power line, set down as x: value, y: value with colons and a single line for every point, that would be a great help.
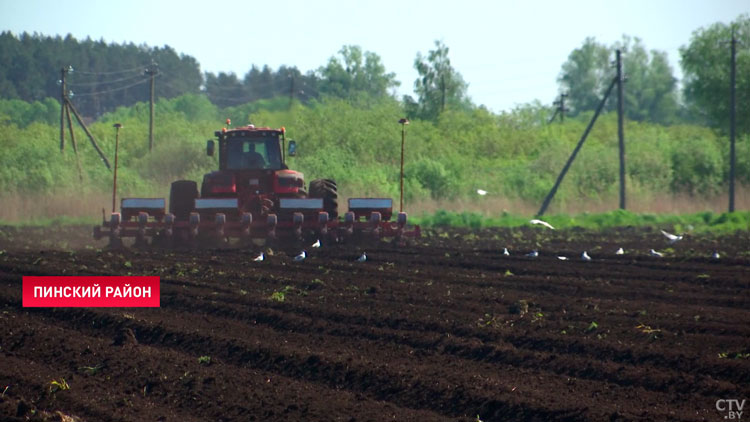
x: 129, y: 78
x: 87, y: 94
x: 115, y: 72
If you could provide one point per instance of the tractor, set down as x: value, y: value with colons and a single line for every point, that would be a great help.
x: 252, y: 197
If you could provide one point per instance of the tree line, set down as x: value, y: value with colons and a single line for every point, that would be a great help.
x: 107, y: 76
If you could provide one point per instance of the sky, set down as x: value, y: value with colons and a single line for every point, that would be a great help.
x: 509, y: 52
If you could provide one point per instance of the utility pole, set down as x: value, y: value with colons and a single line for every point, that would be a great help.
x: 620, y: 127
x: 572, y: 157
x: 114, y: 182
x: 732, y: 119
x: 403, y: 122
x: 559, y: 109
x: 291, y: 89
x: 63, y: 105
x: 442, y: 89
x: 78, y: 117
x: 151, y: 71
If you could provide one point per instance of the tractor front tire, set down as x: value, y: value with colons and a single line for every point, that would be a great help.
x: 326, y: 189
x: 182, y: 196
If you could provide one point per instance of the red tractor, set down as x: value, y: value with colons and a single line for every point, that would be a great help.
x: 253, y: 195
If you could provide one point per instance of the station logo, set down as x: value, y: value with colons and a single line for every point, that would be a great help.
x: 731, y: 408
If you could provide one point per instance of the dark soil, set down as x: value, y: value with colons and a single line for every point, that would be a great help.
x: 443, y: 329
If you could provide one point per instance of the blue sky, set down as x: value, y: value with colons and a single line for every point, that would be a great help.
x: 510, y: 52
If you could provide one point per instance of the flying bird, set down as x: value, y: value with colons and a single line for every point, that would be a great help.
x: 543, y: 223
x: 672, y: 237
x: 654, y: 253
x: 301, y: 257
x: 362, y: 258
x: 316, y: 244
x: 260, y: 257
x: 715, y: 255
x: 585, y: 256
x: 533, y: 254
x: 505, y: 252
x: 562, y: 258
x: 620, y: 252
x: 481, y: 192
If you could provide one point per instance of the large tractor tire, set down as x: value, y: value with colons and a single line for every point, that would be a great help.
x: 326, y: 189
x: 182, y: 196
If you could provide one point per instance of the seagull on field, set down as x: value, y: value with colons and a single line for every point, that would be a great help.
x: 543, y: 223
x: 362, y: 258
x: 562, y: 258
x: 505, y: 252
x: 715, y: 255
x: 260, y: 257
x: 620, y: 252
x: 301, y: 257
x: 654, y: 253
x: 532, y: 254
x: 672, y: 237
x: 481, y: 192
x: 585, y: 256
x: 316, y: 244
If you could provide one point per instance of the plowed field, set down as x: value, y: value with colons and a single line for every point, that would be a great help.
x: 445, y: 329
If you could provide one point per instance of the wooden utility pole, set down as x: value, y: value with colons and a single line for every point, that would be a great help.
x: 559, y: 109
x: 114, y: 182
x: 291, y: 90
x: 88, y: 133
x: 620, y: 127
x: 152, y: 71
x: 562, y: 107
x: 73, y: 141
x: 442, y: 89
x: 63, y: 105
x: 403, y: 122
x: 572, y: 157
x: 732, y: 119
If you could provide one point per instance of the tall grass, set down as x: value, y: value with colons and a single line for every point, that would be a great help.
x: 514, y: 156
x: 697, y: 222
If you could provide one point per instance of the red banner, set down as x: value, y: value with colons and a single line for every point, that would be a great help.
x: 91, y: 292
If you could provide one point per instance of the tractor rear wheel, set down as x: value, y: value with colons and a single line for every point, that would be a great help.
x: 326, y: 189
x: 182, y: 196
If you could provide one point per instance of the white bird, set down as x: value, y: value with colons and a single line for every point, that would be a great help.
x: 620, y: 252
x: 316, y: 244
x: 672, y: 237
x: 301, y: 257
x: 562, y: 258
x: 362, y: 258
x: 715, y: 255
x: 654, y: 253
x: 585, y: 256
x: 543, y: 223
x: 533, y: 254
x: 481, y: 192
x: 505, y: 252
x: 260, y: 257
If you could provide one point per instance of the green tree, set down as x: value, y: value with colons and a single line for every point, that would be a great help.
x: 650, y: 93
x: 586, y: 75
x: 224, y: 89
x: 439, y: 85
x: 706, y: 66
x: 356, y: 72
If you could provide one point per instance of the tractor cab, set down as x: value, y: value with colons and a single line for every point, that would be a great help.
x: 250, y: 148
x: 251, y: 163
